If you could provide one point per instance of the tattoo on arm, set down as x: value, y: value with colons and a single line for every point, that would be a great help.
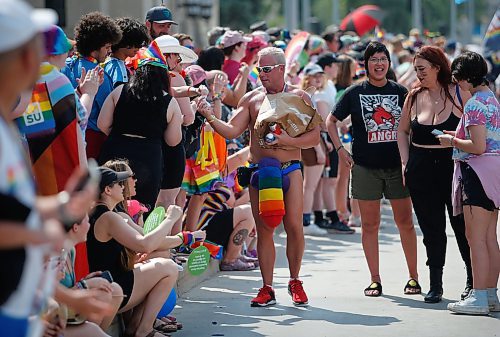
x: 240, y: 237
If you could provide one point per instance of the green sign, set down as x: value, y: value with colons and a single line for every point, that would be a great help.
x: 198, y: 261
x: 154, y: 219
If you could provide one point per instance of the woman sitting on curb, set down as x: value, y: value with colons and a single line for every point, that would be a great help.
x: 111, y: 292
x: 148, y: 284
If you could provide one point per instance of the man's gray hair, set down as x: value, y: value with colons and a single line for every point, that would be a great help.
x: 276, y: 53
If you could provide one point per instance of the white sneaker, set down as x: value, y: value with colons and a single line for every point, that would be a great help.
x: 475, y: 304
x: 493, y: 302
x: 313, y: 229
x: 354, y: 221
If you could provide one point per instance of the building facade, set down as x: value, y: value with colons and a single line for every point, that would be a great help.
x: 188, y: 13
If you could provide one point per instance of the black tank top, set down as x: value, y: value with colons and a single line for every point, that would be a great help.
x: 138, y: 117
x: 421, y: 133
x: 104, y: 255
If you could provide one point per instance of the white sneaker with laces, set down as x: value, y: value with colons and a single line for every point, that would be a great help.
x: 313, y: 229
x: 493, y: 302
x: 475, y: 304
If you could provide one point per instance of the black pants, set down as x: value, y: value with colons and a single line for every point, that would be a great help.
x: 145, y: 159
x: 429, y: 174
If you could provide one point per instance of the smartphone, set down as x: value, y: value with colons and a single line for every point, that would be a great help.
x: 436, y: 132
x: 107, y: 275
x: 93, y: 175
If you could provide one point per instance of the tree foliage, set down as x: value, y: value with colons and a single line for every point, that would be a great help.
x: 240, y: 14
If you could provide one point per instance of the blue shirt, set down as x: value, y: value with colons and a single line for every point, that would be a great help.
x: 73, y: 70
x: 116, y: 69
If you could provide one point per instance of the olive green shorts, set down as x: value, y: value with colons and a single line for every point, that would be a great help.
x: 373, y: 184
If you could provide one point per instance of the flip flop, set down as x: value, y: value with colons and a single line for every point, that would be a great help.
x: 374, y: 286
x: 412, y: 287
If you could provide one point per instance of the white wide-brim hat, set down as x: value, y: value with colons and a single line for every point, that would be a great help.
x: 170, y: 45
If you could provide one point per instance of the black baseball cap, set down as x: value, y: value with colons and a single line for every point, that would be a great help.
x: 327, y: 59
x: 160, y: 14
x: 110, y: 177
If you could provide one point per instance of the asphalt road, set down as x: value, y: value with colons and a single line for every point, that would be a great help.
x: 334, y: 273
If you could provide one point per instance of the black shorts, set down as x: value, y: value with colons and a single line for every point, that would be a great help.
x: 126, y: 280
x: 174, y: 162
x: 220, y: 227
x: 473, y: 193
x: 333, y: 158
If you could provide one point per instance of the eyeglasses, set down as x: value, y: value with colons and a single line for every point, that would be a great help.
x: 378, y: 60
x: 268, y: 69
x: 132, y: 175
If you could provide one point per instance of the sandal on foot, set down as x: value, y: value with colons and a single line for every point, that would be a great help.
x: 374, y: 286
x: 155, y: 333
x: 165, y: 326
x: 171, y: 319
x: 237, y: 265
x: 412, y: 287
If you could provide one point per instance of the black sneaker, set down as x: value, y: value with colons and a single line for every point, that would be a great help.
x: 340, y: 227
x: 323, y: 223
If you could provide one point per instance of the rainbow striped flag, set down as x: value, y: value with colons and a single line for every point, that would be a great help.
x: 51, y: 129
x: 253, y: 77
x: 294, y: 49
x: 491, y: 47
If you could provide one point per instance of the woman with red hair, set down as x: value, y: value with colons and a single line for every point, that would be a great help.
x: 432, y: 106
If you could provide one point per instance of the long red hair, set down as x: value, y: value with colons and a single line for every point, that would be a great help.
x: 437, y: 58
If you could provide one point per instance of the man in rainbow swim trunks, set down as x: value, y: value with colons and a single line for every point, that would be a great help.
x: 285, y: 150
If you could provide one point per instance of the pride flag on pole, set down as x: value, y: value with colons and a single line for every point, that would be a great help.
x: 491, y: 46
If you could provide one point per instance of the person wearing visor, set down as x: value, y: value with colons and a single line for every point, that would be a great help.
x: 159, y: 21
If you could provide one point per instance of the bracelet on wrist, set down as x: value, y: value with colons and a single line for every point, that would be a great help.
x: 82, y: 284
x: 211, y: 118
x: 338, y: 149
x: 217, y: 96
x: 452, y: 141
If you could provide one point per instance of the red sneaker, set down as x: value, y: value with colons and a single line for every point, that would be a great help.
x: 264, y: 298
x: 295, y: 289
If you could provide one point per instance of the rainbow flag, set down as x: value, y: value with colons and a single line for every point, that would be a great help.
x: 38, y: 118
x: 491, y: 46
x: 253, y: 77
x: 271, y: 198
x: 51, y: 130
x: 150, y: 55
x: 295, y: 48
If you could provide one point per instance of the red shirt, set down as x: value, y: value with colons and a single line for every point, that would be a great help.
x: 232, y: 69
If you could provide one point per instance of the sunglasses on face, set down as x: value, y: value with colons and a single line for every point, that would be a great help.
x: 267, y: 69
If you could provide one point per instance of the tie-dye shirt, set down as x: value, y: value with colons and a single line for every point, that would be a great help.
x: 481, y: 109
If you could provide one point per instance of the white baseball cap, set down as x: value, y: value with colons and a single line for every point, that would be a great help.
x: 19, y: 23
x: 170, y: 45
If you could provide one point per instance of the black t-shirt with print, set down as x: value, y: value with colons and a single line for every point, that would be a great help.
x: 375, y: 113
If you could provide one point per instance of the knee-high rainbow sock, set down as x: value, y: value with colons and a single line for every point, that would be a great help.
x: 271, y: 203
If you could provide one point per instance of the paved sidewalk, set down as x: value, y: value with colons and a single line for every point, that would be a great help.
x: 334, y: 274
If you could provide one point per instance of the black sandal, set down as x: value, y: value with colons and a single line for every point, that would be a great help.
x: 374, y: 286
x: 412, y: 287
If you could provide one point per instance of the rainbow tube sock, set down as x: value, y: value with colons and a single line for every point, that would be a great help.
x: 271, y: 203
